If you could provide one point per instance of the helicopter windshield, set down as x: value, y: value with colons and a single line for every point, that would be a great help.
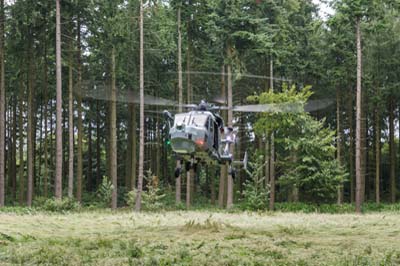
x: 199, y: 120
x: 181, y: 119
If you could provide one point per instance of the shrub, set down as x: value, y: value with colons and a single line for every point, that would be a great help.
x: 152, y: 197
x: 131, y: 198
x: 104, y: 192
x: 65, y: 204
x: 255, y: 194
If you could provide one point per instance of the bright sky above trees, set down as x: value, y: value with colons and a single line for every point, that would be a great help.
x: 324, y: 9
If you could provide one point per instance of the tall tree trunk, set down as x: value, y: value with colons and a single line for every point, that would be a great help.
x: 351, y: 145
x: 79, y: 161
x: 134, y: 154
x: 14, y: 150
x: 2, y: 107
x: 138, y: 204
x: 128, y: 153
x: 212, y: 184
x: 98, y: 146
x: 223, y: 171
x: 30, y: 129
x: 59, y: 149
x: 377, y: 154
x: 71, y: 131
x: 272, y: 157
x: 21, y: 144
x: 188, y: 186
x: 229, y: 200
x: 189, y: 174
x: 364, y: 145
x: 178, y: 179
x: 358, y: 123
x: 267, y: 151
x: 65, y: 143
x: 40, y: 151
x: 188, y: 74
x: 90, y: 183
x: 46, y: 102
x: 113, y: 132
x: 392, y: 149
x: 339, y: 142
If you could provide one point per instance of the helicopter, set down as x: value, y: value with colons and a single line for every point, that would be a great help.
x: 199, y: 134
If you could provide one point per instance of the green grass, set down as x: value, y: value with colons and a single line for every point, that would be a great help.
x: 198, y: 238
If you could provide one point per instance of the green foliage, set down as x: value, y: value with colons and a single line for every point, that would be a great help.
x: 104, y: 192
x: 307, y: 157
x: 209, y: 224
x: 255, y: 192
x: 285, y: 108
x: 310, y: 164
x: 55, y: 205
x: 130, y: 198
x: 152, y: 198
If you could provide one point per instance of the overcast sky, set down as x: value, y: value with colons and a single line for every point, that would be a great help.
x: 324, y: 9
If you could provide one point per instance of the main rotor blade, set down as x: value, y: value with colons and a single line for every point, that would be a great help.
x: 124, y: 96
x: 242, y: 75
x: 270, y: 108
x: 297, y: 107
x: 316, y: 105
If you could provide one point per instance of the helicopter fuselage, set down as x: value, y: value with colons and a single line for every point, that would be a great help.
x: 196, y: 135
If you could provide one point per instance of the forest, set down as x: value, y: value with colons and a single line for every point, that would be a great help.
x: 88, y: 175
x: 73, y: 123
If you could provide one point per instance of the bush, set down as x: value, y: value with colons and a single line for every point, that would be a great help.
x: 131, y: 198
x: 152, y: 197
x: 255, y: 194
x: 55, y: 205
x: 39, y: 201
x: 104, y: 192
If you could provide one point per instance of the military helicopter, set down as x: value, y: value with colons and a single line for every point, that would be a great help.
x: 199, y: 135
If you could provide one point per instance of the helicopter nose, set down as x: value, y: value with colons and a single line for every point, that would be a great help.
x: 183, y: 146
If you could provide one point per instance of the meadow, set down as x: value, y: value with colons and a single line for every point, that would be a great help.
x: 104, y: 237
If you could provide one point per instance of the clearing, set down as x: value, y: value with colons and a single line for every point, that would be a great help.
x: 199, y: 238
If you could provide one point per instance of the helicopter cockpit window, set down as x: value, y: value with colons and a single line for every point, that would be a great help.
x: 181, y: 119
x: 199, y: 120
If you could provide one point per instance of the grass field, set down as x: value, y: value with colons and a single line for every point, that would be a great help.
x: 199, y: 238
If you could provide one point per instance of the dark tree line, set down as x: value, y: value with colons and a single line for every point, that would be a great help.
x: 66, y: 66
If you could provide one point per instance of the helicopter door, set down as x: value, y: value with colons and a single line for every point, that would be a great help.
x: 215, y: 134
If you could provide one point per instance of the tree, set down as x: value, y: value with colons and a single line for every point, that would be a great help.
x: 79, y: 170
x: 59, y: 161
x: 30, y: 141
x: 2, y: 107
x: 358, y: 119
x: 70, y: 129
x: 309, y: 162
x: 113, y: 132
x: 225, y: 25
x: 180, y: 102
x: 138, y: 204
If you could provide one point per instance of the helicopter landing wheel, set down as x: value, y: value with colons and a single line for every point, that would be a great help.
x: 188, y: 166
x: 178, y: 172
